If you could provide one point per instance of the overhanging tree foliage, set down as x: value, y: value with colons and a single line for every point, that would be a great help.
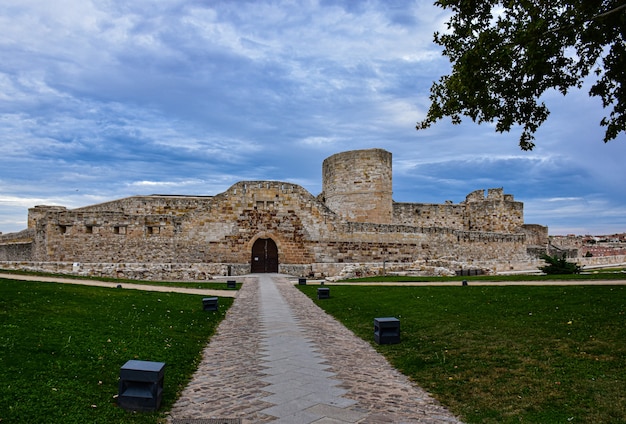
x: 506, y: 54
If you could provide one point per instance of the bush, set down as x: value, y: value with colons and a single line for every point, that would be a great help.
x: 559, y: 265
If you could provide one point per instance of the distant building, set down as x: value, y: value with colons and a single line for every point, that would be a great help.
x: 589, y: 246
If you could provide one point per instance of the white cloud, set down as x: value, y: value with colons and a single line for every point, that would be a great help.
x: 25, y: 202
x: 318, y: 141
x: 165, y: 184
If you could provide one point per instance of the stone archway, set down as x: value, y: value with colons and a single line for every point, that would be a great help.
x: 264, y: 256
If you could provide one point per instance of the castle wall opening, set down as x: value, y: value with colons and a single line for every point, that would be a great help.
x: 264, y: 256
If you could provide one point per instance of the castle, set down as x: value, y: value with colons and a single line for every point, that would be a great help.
x: 271, y: 226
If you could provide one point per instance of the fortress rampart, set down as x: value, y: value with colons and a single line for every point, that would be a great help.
x: 354, y: 220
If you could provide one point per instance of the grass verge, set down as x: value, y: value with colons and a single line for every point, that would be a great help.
x: 604, y: 275
x: 502, y: 354
x: 61, y: 348
x: 212, y: 285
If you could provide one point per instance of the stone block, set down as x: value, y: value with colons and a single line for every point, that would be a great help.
x: 141, y: 385
x: 323, y: 293
x: 210, y: 303
x: 387, y: 330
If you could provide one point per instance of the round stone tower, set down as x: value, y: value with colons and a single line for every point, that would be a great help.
x: 357, y: 185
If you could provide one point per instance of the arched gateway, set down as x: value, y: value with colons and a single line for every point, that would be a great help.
x: 264, y: 256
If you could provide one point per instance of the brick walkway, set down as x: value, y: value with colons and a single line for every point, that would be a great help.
x: 279, y: 358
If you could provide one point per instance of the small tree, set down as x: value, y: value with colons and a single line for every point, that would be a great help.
x: 559, y: 265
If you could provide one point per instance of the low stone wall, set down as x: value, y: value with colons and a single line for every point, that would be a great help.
x: 133, y: 271
x: 297, y: 270
x: 150, y: 271
x: 16, y: 251
x: 599, y: 261
x: 16, y: 246
x: 207, y: 271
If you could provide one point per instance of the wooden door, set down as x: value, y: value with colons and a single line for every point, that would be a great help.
x: 264, y: 256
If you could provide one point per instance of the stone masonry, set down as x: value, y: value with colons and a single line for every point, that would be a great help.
x: 353, y: 221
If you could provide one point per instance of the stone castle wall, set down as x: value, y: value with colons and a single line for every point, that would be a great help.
x: 430, y: 215
x: 354, y: 220
x: 227, y: 225
x: 157, y: 229
x: 16, y: 246
x: 497, y: 212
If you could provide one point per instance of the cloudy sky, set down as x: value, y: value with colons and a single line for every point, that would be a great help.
x: 107, y: 99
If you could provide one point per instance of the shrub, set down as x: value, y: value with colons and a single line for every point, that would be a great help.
x: 559, y: 265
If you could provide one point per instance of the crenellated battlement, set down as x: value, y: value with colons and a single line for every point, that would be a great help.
x: 353, y: 220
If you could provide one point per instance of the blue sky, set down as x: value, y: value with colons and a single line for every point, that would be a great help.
x: 103, y: 100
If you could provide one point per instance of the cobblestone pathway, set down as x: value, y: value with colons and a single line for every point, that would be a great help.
x: 278, y: 358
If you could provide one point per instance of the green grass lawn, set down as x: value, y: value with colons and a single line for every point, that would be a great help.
x: 617, y: 274
x: 507, y: 354
x: 61, y: 348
